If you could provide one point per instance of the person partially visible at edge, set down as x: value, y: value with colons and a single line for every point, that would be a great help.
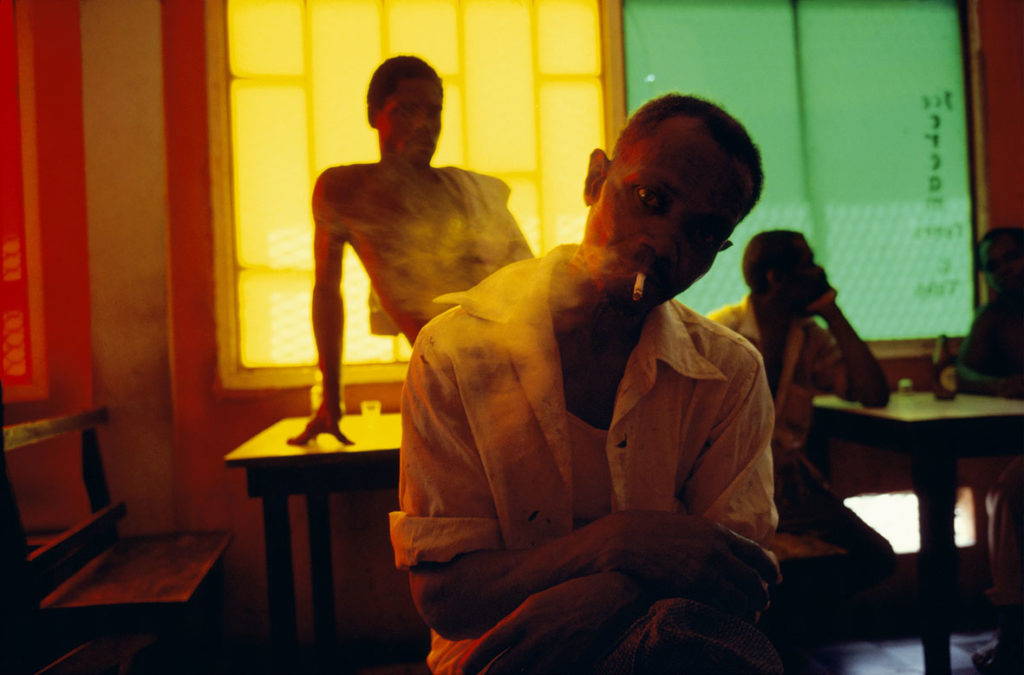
x: 991, y: 362
x: 788, y: 289
x: 419, y: 231
x: 991, y: 358
x: 586, y: 481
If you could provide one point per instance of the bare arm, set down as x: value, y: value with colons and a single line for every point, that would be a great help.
x: 867, y: 383
x: 669, y: 554
x: 328, y: 331
x: 976, y: 356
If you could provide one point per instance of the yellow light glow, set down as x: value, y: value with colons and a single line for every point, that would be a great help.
x: 522, y: 102
x: 524, y: 204
x: 567, y: 36
x: 272, y: 181
x: 273, y: 312
x: 501, y: 132
x: 450, y: 148
x: 571, y: 123
x: 265, y: 37
x: 425, y: 28
x: 345, y: 43
x: 360, y: 344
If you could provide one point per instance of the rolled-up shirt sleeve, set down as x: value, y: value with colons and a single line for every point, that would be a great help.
x: 446, y: 507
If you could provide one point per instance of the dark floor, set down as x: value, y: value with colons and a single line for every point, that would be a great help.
x: 878, y: 657
x: 902, y: 656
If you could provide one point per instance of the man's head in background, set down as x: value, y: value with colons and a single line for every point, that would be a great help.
x: 403, y: 103
x: 1000, y: 257
x: 780, y: 264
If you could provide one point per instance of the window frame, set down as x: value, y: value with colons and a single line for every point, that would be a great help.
x: 233, y: 375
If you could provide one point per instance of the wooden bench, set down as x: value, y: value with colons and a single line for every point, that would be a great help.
x: 86, y: 599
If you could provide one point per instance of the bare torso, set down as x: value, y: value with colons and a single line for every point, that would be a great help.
x: 419, y: 234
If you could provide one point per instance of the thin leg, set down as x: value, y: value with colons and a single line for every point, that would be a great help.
x: 280, y: 578
x: 934, y: 474
x: 323, y: 584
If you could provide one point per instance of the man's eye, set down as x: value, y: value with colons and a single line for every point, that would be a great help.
x: 649, y: 198
x: 711, y: 236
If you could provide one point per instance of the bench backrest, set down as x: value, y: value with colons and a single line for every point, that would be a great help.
x: 49, y: 565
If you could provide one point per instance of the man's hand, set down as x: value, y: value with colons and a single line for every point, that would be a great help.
x: 1011, y: 387
x: 686, y: 556
x: 553, y: 629
x: 323, y: 422
x: 824, y: 302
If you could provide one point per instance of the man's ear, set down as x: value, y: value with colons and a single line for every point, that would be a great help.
x: 371, y: 115
x: 597, y: 171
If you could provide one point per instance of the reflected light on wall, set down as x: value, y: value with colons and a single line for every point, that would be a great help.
x: 894, y: 515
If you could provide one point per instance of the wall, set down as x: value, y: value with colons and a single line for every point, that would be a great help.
x: 1001, y: 62
x: 125, y: 194
x: 50, y: 93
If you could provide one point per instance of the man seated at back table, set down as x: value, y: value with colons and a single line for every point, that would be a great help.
x: 802, y: 359
x: 419, y: 231
x: 586, y: 479
x: 991, y: 362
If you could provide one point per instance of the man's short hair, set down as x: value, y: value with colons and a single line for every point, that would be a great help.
x: 767, y: 251
x: 1014, y: 233
x: 387, y: 76
x: 723, y: 127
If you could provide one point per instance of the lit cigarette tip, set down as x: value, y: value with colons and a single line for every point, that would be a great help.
x: 638, y: 286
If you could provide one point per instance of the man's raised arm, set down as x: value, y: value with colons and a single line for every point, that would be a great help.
x: 328, y: 331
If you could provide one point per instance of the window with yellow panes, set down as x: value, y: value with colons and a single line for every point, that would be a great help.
x: 523, y: 101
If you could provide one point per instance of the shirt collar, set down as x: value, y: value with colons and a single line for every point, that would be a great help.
x: 667, y: 337
x: 520, y: 291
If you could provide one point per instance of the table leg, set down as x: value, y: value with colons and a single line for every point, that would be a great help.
x: 280, y: 577
x: 320, y: 563
x: 934, y: 475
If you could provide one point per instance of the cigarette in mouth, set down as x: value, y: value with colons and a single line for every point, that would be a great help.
x: 638, y: 286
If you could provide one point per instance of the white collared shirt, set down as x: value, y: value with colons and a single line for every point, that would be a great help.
x: 485, y: 458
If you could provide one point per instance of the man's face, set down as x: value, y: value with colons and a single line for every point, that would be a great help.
x: 409, y: 122
x: 805, y: 282
x: 1002, y: 262
x: 666, y: 207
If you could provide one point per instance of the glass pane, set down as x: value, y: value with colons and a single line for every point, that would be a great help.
x: 360, y: 346
x: 741, y: 55
x: 874, y: 80
x: 274, y: 319
x: 571, y: 124
x: 345, y: 36
x: 500, y: 113
x: 425, y: 28
x: 883, y: 91
x: 265, y: 37
x: 568, y: 37
x: 524, y: 204
x: 272, y: 184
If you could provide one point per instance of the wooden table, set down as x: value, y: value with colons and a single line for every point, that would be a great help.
x: 935, y: 434
x: 274, y: 470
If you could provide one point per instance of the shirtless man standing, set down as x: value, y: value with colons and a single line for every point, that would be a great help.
x: 419, y: 231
